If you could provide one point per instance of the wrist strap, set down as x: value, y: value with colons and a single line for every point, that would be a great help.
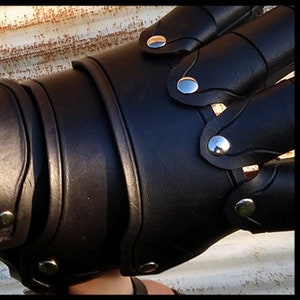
x: 138, y: 286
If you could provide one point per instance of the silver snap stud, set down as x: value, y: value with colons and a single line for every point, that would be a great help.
x: 218, y: 145
x: 148, y: 267
x: 187, y: 85
x: 156, y: 41
x: 48, y: 267
x: 245, y: 208
x: 6, y: 219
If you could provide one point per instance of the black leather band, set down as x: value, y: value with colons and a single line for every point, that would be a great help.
x: 125, y: 150
x: 138, y: 286
x: 272, y: 198
x: 201, y: 25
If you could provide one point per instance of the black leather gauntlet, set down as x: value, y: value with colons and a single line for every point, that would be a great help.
x: 122, y: 162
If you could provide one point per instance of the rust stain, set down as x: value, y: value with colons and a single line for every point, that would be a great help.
x: 52, y: 36
x: 52, y: 15
x: 66, y: 46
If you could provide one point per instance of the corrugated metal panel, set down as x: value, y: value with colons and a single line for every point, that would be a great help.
x: 240, y: 264
x: 41, y: 40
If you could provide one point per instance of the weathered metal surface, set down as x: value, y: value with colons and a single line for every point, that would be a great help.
x: 41, y: 40
x: 240, y: 264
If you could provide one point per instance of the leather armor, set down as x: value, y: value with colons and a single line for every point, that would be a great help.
x: 122, y: 162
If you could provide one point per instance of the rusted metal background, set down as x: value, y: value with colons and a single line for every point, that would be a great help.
x: 41, y: 40
x: 240, y: 264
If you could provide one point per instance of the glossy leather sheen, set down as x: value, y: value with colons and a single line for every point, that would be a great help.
x: 246, y: 59
x: 186, y: 28
x: 110, y: 162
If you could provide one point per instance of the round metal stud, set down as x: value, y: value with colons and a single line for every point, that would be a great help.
x: 218, y: 145
x: 156, y: 41
x: 148, y: 267
x: 48, y: 267
x: 245, y: 208
x: 187, y: 85
x: 6, y: 219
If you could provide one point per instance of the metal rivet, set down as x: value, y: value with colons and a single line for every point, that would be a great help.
x: 48, y: 267
x: 156, y: 41
x: 218, y: 145
x: 148, y: 267
x: 245, y: 208
x: 6, y: 219
x: 187, y: 85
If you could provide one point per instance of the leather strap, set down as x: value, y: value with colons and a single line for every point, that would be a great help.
x: 18, y: 171
x: 125, y: 150
x: 235, y: 123
x: 201, y: 25
x: 138, y: 286
x: 221, y: 78
x: 267, y: 202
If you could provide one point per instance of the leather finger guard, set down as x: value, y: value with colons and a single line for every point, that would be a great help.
x: 238, y: 63
x: 186, y: 28
x: 267, y: 202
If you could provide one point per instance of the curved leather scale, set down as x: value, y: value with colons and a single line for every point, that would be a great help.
x: 186, y: 28
x: 18, y: 172
x: 274, y: 184
x: 236, y: 124
x: 124, y: 149
x: 240, y: 62
x: 14, y: 157
x: 54, y: 186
